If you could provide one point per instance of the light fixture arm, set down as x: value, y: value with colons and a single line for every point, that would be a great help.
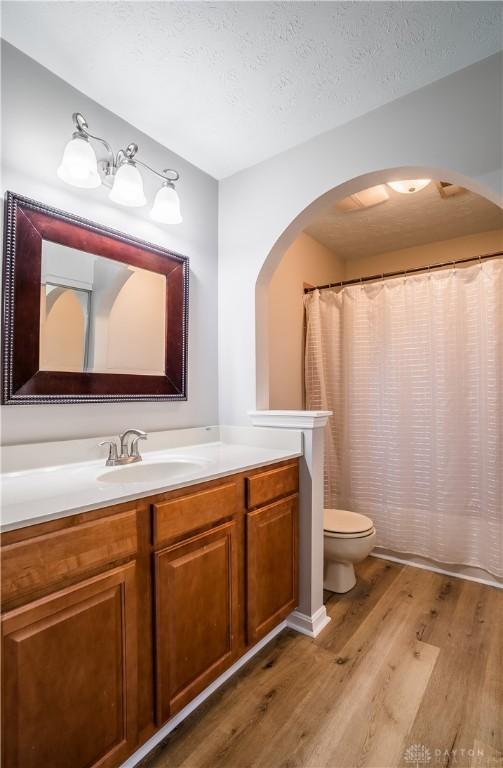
x: 123, y: 155
x: 81, y: 128
x: 164, y: 175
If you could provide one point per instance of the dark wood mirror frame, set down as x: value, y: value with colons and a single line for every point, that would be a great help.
x: 27, y: 224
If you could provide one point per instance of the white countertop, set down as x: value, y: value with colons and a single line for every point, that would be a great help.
x: 33, y: 494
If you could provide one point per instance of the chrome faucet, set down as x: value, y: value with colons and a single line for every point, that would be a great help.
x: 128, y: 453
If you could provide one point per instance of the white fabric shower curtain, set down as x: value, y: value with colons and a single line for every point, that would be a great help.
x: 412, y: 369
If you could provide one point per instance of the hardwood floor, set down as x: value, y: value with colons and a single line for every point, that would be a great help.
x: 408, y: 673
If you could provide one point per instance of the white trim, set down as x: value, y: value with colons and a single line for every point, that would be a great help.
x: 311, y: 616
x: 65, y: 282
x: 436, y: 569
x: 309, y: 625
x: 149, y: 745
x: 289, y: 419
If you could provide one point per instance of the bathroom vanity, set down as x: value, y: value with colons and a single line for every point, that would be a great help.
x: 115, y: 618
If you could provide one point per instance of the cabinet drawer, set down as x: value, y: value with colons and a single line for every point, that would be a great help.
x: 184, y: 515
x: 33, y: 565
x: 272, y: 484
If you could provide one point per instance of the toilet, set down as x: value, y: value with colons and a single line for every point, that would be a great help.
x: 348, y: 538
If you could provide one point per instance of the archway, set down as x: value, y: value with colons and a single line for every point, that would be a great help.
x: 304, y: 218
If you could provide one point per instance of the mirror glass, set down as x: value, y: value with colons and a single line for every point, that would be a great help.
x: 98, y: 315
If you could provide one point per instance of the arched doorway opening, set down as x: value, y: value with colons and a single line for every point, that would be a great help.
x: 302, y: 221
x: 407, y: 367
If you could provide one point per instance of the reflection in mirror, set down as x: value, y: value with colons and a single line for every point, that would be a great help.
x: 64, y: 328
x: 99, y: 315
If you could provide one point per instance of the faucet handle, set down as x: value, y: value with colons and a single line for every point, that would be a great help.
x: 133, y: 451
x: 112, y: 452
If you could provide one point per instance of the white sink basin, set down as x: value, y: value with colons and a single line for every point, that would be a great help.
x: 151, y: 472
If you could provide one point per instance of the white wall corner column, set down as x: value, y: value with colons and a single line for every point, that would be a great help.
x: 310, y: 617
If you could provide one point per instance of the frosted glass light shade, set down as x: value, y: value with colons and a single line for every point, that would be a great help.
x: 128, y: 187
x: 166, y: 207
x: 409, y: 186
x: 79, y: 166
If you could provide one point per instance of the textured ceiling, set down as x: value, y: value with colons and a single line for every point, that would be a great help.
x: 228, y: 84
x: 404, y: 221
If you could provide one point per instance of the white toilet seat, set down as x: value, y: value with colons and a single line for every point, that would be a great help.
x: 343, y: 524
x: 336, y: 535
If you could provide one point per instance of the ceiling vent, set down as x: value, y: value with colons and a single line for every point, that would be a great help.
x: 364, y: 199
x: 446, y: 189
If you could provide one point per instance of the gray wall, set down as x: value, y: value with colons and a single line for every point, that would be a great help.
x: 36, y: 124
x: 449, y: 130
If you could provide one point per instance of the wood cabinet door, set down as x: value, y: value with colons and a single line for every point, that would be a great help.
x: 196, y: 592
x: 70, y: 677
x: 272, y: 565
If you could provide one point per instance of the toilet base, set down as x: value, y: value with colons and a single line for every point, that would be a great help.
x: 339, y: 577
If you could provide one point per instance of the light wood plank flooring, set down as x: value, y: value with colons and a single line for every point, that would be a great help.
x: 408, y: 673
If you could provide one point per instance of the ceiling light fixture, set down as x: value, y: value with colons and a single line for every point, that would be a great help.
x: 80, y: 168
x: 409, y: 186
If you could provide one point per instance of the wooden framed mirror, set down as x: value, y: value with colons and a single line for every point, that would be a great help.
x: 89, y: 314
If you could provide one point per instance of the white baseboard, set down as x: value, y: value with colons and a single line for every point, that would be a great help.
x: 309, y: 625
x: 149, y: 745
x: 461, y: 572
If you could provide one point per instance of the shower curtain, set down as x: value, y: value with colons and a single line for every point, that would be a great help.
x: 412, y: 369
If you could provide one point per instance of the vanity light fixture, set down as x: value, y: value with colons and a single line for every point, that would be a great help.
x: 166, y: 205
x: 80, y: 167
x: 409, y: 186
x: 128, y: 186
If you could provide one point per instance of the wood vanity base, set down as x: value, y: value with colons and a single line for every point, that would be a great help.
x: 114, y: 620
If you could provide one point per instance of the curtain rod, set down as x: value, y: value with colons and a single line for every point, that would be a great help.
x: 384, y: 275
